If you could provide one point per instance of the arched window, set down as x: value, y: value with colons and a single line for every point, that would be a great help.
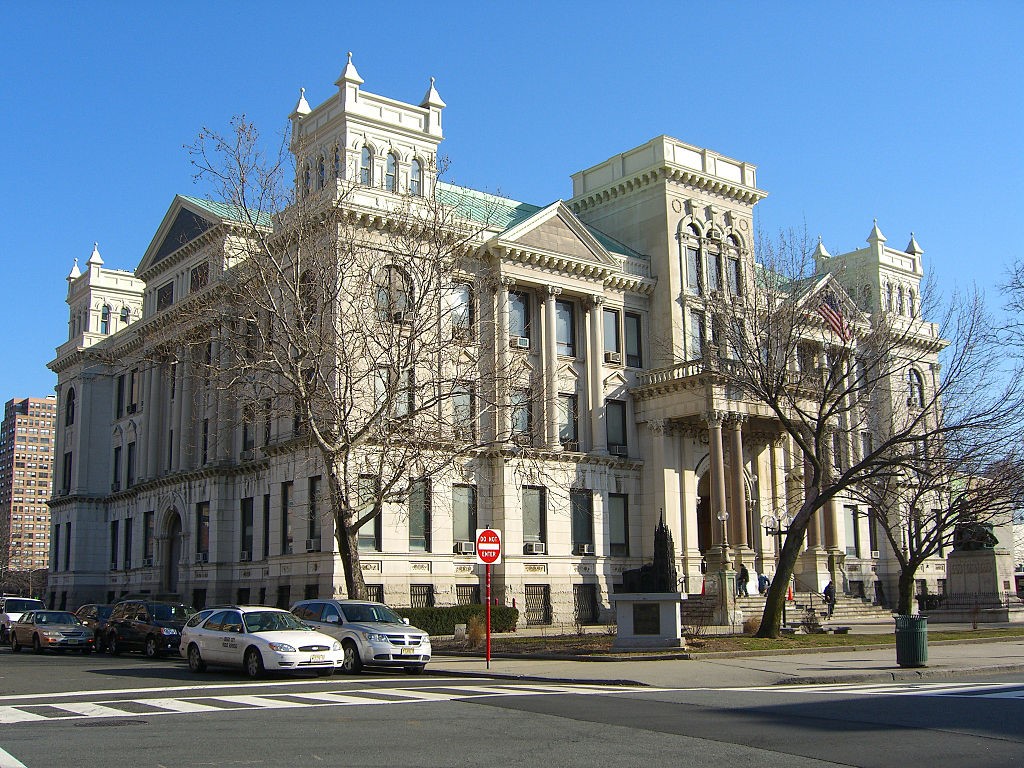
x: 307, y: 296
x: 366, y: 167
x: 692, y: 260
x: 915, y: 389
x: 321, y: 173
x: 733, y: 273
x: 105, y: 319
x: 899, y: 300
x: 394, y: 295
x: 126, y: 315
x: 337, y: 163
x: 391, y: 175
x: 911, y: 303
x: 416, y: 179
x: 69, y: 409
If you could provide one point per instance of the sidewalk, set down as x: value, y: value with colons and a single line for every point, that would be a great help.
x: 869, y: 664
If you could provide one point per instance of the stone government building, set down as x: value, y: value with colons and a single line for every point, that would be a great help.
x: 606, y: 293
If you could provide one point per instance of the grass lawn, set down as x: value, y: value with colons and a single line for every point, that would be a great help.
x: 598, y: 644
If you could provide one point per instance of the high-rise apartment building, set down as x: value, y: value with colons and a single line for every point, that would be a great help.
x: 26, y: 481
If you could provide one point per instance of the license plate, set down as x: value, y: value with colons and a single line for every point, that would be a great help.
x: 317, y: 657
x: 408, y: 651
x: 73, y: 641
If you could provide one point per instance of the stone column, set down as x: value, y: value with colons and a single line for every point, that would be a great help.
x: 187, y: 411
x: 145, y: 426
x: 550, y: 370
x: 738, y: 513
x: 156, y: 420
x: 225, y: 423
x: 595, y: 378
x: 813, y: 534
x: 175, y: 416
x: 501, y: 415
x: 716, y: 455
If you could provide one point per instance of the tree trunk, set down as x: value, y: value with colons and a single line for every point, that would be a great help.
x: 347, y: 537
x: 905, y: 604
x: 771, y: 619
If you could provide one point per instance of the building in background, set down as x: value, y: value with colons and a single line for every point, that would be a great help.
x: 26, y: 482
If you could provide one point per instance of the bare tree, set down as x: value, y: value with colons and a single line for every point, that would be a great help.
x: 368, y: 332
x: 856, y: 390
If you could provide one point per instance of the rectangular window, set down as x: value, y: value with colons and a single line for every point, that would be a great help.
x: 113, y: 544
x: 634, y: 355
x: 534, y: 514
x: 565, y: 328
x: 522, y: 415
x: 568, y: 422
x: 462, y: 312
x: 245, y: 543
x: 618, y: 525
x: 421, y: 595
x: 464, y: 410
x: 612, y: 342
x: 67, y: 546
x: 714, y: 272
x: 695, y: 335
x: 149, y: 534
x: 734, y: 277
x: 66, y: 474
x: 130, y: 466
x: 581, y: 503
x: 518, y: 316
x: 198, y: 277
x: 939, y: 530
x: 266, y: 526
x: 119, y: 408
x: 204, y: 447
x: 128, y: 543
x: 419, y: 516
x: 693, y: 281
x: 164, y: 296
x: 615, y: 417
x: 872, y: 530
x: 134, y: 390
x: 369, y: 537
x: 837, y: 450
x: 286, y: 530
x: 203, y: 528
x: 851, y: 519
x: 313, y: 510
x: 464, y: 512
x: 866, y: 444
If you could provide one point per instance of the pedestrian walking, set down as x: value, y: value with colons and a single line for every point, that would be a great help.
x: 741, y: 581
x: 830, y: 597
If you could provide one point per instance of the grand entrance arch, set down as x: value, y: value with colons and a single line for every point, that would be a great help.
x: 172, y: 552
x: 709, y: 528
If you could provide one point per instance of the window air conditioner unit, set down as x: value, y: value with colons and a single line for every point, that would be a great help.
x: 244, y: 556
x: 534, y: 548
x: 202, y: 557
x: 131, y: 407
x: 247, y: 455
x: 618, y: 450
x: 570, y: 445
x: 584, y: 549
x: 519, y: 342
x: 312, y: 545
x: 147, y: 562
x: 875, y: 554
x: 613, y: 357
x: 113, y: 565
x: 465, y: 548
x: 400, y: 317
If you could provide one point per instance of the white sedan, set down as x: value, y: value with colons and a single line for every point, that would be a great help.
x: 257, y: 639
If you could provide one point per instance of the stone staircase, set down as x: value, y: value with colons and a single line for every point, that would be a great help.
x: 848, y: 610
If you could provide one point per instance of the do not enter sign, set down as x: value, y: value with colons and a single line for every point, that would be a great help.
x: 488, y: 546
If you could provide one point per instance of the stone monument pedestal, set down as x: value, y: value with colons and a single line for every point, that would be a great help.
x: 648, y: 619
x: 979, y: 586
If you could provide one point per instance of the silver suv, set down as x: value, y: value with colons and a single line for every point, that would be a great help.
x: 371, y: 634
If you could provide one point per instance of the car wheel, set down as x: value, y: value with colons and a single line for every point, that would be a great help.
x: 112, y: 647
x: 195, y: 659
x: 415, y: 669
x: 352, y: 664
x: 253, y: 664
x: 151, y: 649
x: 36, y: 645
x: 15, y: 645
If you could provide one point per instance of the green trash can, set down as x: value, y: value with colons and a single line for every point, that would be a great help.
x: 912, y: 641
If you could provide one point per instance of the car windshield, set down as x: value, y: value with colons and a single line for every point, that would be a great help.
x: 272, y: 621
x: 164, y: 612
x: 20, y: 605
x: 103, y: 611
x: 368, y: 612
x: 55, y: 617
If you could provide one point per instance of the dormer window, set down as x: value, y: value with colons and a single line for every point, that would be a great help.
x: 390, y: 178
x: 366, y: 167
x: 105, y: 319
x: 416, y: 179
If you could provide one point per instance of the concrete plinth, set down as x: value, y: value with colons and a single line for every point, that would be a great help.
x: 648, y: 619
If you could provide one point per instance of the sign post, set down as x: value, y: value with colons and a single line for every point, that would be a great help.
x: 488, y: 552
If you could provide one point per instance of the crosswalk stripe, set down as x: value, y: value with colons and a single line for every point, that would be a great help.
x: 177, y: 705
x: 340, y: 698
x: 12, y: 715
x: 91, y: 710
x: 263, y: 702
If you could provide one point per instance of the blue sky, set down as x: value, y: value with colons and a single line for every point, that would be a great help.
x: 909, y: 112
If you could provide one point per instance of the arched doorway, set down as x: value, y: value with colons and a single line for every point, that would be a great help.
x: 172, y: 552
x: 706, y: 520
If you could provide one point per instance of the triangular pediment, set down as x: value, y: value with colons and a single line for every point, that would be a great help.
x: 557, y: 231
x: 828, y: 285
x: 183, y: 223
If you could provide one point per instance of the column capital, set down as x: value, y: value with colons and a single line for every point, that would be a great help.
x: 596, y: 300
x: 714, y: 419
x: 506, y: 281
x: 554, y: 290
x: 657, y: 426
x: 735, y: 420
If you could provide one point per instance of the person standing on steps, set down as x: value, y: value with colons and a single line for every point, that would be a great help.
x: 741, y: 581
x: 830, y: 597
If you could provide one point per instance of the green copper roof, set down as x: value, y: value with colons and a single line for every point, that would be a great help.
x: 228, y: 211
x: 503, y: 214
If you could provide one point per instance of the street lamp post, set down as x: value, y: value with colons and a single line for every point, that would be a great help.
x: 723, y: 518
x: 777, y: 525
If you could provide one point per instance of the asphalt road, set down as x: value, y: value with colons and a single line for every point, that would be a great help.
x: 128, y: 711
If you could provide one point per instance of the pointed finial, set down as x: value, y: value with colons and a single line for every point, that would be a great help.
x: 94, y: 258
x: 302, y: 107
x: 75, y: 272
x: 432, y: 97
x: 876, y: 234
x: 912, y: 247
x: 820, y: 252
x: 349, y: 75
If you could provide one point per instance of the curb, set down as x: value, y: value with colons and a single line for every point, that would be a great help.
x: 902, y: 675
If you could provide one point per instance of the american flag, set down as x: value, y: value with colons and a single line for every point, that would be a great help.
x: 830, y: 310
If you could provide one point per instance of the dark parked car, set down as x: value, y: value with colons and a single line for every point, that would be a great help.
x: 94, y: 616
x: 54, y: 630
x: 150, y: 626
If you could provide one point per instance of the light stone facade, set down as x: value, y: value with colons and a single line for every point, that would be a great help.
x: 163, y: 496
